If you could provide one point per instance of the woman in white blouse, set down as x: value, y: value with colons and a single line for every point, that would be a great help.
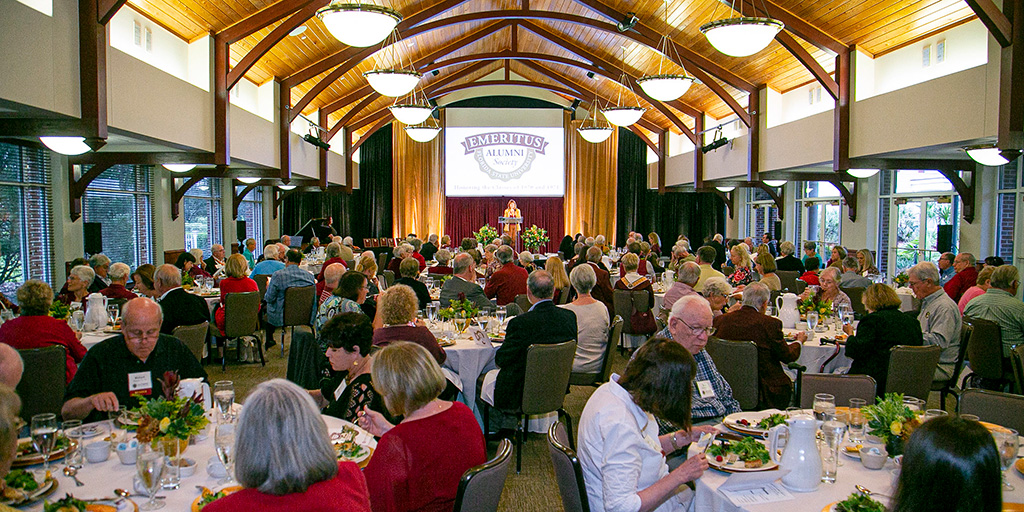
x: 619, y: 448
x: 591, y: 321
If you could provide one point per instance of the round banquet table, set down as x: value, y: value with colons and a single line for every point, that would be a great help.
x: 468, y: 361
x: 813, y: 353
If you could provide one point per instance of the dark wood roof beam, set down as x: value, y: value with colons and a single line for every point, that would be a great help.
x: 809, y: 62
x: 348, y: 115
x: 267, y: 43
x: 996, y: 22
x: 107, y: 9
x: 264, y: 17
x: 347, y: 99
x: 802, y: 28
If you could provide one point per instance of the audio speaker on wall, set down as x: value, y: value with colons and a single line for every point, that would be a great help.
x: 93, y: 237
x: 240, y: 229
x: 944, y: 241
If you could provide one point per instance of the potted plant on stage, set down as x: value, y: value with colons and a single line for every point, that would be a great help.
x: 460, y: 311
x: 485, y: 234
x: 534, y: 238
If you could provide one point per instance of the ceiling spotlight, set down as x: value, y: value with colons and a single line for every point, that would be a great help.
x: 629, y: 21
x: 725, y: 189
x: 862, y: 173
x: 358, y: 24
x: 248, y: 180
x: 179, y: 167
x: 775, y: 183
x: 991, y: 156
x: 286, y: 187
x: 66, y: 145
x: 297, y: 31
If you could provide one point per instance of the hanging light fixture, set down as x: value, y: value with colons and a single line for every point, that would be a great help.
x: 666, y: 86
x: 359, y: 24
x: 624, y: 115
x: 775, y: 183
x: 862, y: 173
x: 286, y: 187
x: 424, y: 132
x: 988, y: 155
x: 66, y: 145
x: 394, y: 82
x: 594, y: 134
x: 412, y: 112
x: 179, y: 167
x: 725, y: 189
x: 248, y: 180
x: 741, y: 36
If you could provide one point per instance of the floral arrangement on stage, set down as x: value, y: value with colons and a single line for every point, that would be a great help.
x: 170, y: 416
x: 485, y: 234
x: 813, y: 303
x: 901, y: 279
x: 534, y: 237
x: 892, y: 421
x: 59, y: 310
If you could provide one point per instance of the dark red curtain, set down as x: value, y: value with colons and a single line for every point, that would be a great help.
x: 464, y: 215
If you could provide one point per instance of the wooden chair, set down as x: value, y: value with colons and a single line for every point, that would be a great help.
x: 194, y: 337
x: 242, y: 318
x: 600, y: 377
x: 299, y: 303
x: 568, y: 471
x: 480, y: 487
x: 737, y: 362
x: 843, y: 387
x: 1003, y: 409
x: 949, y: 386
x: 42, y: 387
x: 912, y: 369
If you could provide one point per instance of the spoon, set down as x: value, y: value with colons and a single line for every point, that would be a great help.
x: 125, y: 494
x: 868, y: 492
x: 70, y: 471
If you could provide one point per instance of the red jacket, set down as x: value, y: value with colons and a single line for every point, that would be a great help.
x: 810, y: 277
x: 117, y: 291
x: 506, y: 282
x: 346, y: 492
x: 419, y: 258
x: 961, y: 282
x: 43, y: 331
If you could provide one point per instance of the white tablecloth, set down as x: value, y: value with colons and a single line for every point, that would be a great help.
x: 470, y: 361
x: 813, y: 353
x: 91, y: 339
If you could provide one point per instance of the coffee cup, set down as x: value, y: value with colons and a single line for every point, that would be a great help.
x: 97, y: 451
x: 128, y: 452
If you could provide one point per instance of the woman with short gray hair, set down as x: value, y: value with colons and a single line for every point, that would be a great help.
x: 77, y: 285
x: 591, y: 321
x: 717, y: 291
x: 35, y: 328
x: 442, y: 256
x: 299, y: 469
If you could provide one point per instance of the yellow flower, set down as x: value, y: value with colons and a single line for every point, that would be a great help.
x: 895, y: 428
x: 165, y: 424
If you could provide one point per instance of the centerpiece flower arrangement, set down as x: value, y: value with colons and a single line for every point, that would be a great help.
x: 534, y: 237
x: 59, y: 310
x: 901, y: 279
x: 461, y: 311
x: 171, y: 420
x: 813, y: 303
x: 892, y: 421
x: 485, y: 234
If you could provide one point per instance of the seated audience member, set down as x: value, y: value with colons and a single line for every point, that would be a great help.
x: 565, y: 247
x: 77, y: 286
x: 884, y: 327
x: 981, y: 286
x: 291, y: 276
x: 332, y: 273
x: 630, y: 280
x: 35, y: 328
x: 367, y: 264
x: 416, y: 243
x: 118, y: 279
x: 742, y: 273
x: 346, y: 298
x: 409, y: 273
x: 556, y: 268
x: 11, y: 366
x: 621, y: 452
x: 10, y: 425
x: 443, y: 256
x: 680, y: 255
x: 810, y: 276
x: 994, y: 261
x: 591, y: 321
x: 346, y: 339
x: 770, y: 244
x: 764, y: 264
x: 946, y: 270
x: 851, y: 278
x: 866, y: 263
x: 750, y: 323
x: 939, y: 317
x: 186, y: 264
x: 508, y: 281
x: 397, y: 311
x: 143, y: 281
x: 966, y: 276
x: 236, y: 281
x: 414, y: 468
x: 446, y: 242
x: 1001, y: 305
x: 949, y: 465
x: 311, y: 246
x: 302, y: 471
x: 787, y: 261
x: 126, y: 368
x: 690, y: 324
x: 838, y: 255
x: 100, y: 265
x: 463, y: 283
x: 705, y: 259
x: 429, y: 249
x: 347, y: 252
x: 216, y: 261
x: 526, y: 261
x: 179, y: 306
x: 401, y: 252
x: 198, y: 268
x: 686, y: 278
x: 829, y: 289
x: 716, y: 292
x: 250, y: 252
x: 603, y: 291
x: 490, y: 260
x: 333, y: 255
x: 810, y: 251
x: 270, y: 263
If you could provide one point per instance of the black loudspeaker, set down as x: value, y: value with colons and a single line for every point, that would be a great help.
x: 777, y: 233
x: 93, y: 237
x: 944, y: 241
x: 240, y: 229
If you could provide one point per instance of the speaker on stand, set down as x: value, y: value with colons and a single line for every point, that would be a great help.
x: 944, y: 240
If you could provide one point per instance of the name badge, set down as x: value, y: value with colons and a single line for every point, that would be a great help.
x: 705, y: 389
x: 341, y: 389
x: 140, y: 384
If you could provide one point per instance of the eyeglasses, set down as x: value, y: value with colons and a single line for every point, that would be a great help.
x: 697, y: 331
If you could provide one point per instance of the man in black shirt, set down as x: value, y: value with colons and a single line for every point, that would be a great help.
x: 124, y: 370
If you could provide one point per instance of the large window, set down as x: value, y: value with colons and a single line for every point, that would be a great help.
x: 251, y: 211
x: 761, y: 214
x: 819, y: 215
x: 120, y: 200
x: 914, y: 206
x: 203, y: 215
x: 1011, y: 193
x: 26, y: 249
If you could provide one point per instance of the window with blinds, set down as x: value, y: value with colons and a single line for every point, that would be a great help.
x: 26, y: 246
x: 120, y: 199
x: 202, y: 207
x: 251, y: 211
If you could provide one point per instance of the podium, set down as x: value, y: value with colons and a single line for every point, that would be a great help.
x: 510, y: 226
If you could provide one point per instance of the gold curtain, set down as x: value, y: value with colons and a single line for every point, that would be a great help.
x: 590, y: 184
x: 418, y: 186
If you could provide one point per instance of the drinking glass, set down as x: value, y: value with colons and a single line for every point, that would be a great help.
x: 832, y: 434
x: 432, y: 309
x: 114, y: 313
x: 44, y: 436
x: 771, y: 311
x: 73, y: 431
x: 224, y: 395
x: 150, y: 466
x: 856, y: 420
x: 812, y: 320
x: 915, y: 404
x: 969, y: 417
x: 224, y: 441
x: 500, y: 312
x: 1007, y: 443
x: 78, y: 320
x: 824, y: 406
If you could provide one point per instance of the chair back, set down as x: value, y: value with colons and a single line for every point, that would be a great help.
x: 42, y: 388
x: 382, y: 260
x: 843, y: 387
x: 1003, y: 409
x: 625, y: 303
x: 985, y: 348
x: 855, y: 295
x: 801, y: 285
x: 306, y: 361
x: 563, y: 295
x: 261, y: 283
x: 965, y: 337
x: 194, y: 337
x: 547, y: 376
x: 523, y: 302
x: 1017, y: 360
x: 912, y: 369
x: 568, y: 471
x: 727, y: 270
x: 350, y: 264
x: 512, y: 309
x: 389, y: 278
x: 298, y: 305
x: 480, y: 486
x: 788, y: 279
x: 600, y: 377
x: 241, y: 314
x: 737, y: 362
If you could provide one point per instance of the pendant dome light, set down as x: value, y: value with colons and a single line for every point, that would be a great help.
x: 358, y: 24
x: 395, y: 82
x: 424, y: 132
x: 741, y: 36
x: 413, y: 111
x: 594, y: 133
x: 66, y: 145
x: 666, y: 86
x: 621, y: 114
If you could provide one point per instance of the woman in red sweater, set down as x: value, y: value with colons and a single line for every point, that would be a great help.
x: 35, y: 328
x: 414, y: 468
x: 237, y: 281
x: 284, y: 458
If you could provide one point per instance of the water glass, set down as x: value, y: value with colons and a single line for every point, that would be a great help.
x: 150, y: 466
x: 812, y: 320
x: 857, y: 421
x: 73, y: 431
x: 44, y: 436
x: 500, y: 312
x: 432, y: 308
x: 824, y: 407
x: 915, y: 404
x: 114, y: 312
x: 772, y: 311
x: 224, y: 396
x: 1007, y: 444
x: 832, y: 435
x: 171, y: 478
x: 224, y: 442
x: 78, y: 320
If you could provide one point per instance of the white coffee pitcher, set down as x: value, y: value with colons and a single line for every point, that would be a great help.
x: 800, y: 456
x: 188, y: 387
x: 788, y: 313
x: 96, y: 316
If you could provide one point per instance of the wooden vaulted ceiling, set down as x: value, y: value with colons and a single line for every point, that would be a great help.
x: 558, y: 53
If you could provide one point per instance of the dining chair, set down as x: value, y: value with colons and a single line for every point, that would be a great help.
x: 194, y: 337
x: 568, y: 471
x: 727, y: 270
x: 737, y: 362
x: 842, y: 387
x: 912, y: 369
x: 42, y: 388
x: 299, y: 305
x: 241, y: 318
x: 563, y: 295
x: 949, y: 386
x: 389, y: 278
x: 306, y: 362
x: 985, y: 352
x: 382, y: 260
x: 600, y: 377
x: 788, y: 279
x: 523, y: 302
x: 1003, y: 409
x: 481, y: 486
x: 261, y: 284
x: 855, y: 295
x: 1017, y: 361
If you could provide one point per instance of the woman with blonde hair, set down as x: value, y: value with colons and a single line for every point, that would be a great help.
x: 367, y: 264
x: 397, y: 310
x: 867, y: 263
x: 237, y: 281
x: 655, y: 242
x: 764, y: 263
x: 556, y: 268
x: 742, y: 274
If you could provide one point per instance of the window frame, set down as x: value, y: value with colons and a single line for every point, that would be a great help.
x: 27, y: 234
x: 144, y: 253
x: 214, y: 200
x: 803, y: 217
x: 894, y: 200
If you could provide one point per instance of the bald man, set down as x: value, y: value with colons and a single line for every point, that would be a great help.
x: 123, y: 370
x: 11, y: 366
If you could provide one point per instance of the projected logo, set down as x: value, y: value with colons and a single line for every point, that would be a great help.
x: 504, y: 156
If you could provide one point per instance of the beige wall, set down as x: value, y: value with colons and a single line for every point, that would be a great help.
x: 39, y: 56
